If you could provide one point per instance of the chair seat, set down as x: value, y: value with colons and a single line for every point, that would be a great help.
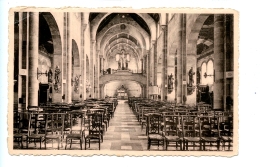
x: 192, y: 139
x: 227, y: 138
x: 74, y: 136
x: 36, y: 136
x: 172, y: 138
x: 19, y: 135
x: 93, y: 136
x: 52, y: 136
x: 210, y: 139
x: 155, y: 137
x: 214, y: 130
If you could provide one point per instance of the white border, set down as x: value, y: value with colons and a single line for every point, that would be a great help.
x: 249, y: 92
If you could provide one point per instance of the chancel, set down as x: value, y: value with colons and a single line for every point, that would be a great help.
x: 123, y: 81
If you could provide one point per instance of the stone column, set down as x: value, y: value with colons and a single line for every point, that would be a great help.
x: 33, y: 58
x: 179, y: 60
x: 101, y: 65
x: 142, y: 66
x: 155, y: 63
x: 64, y: 63
x: 184, y: 58
x: 151, y: 63
x: 20, y: 54
x: 83, y: 62
x: 91, y: 67
x: 69, y: 61
x: 218, y: 61
x: 164, y: 63
x: 97, y: 72
x: 147, y: 74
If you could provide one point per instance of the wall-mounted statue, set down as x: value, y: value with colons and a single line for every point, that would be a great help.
x: 190, y: 86
x: 50, y: 76
x: 76, y: 85
x: 191, y: 80
x: 57, y: 74
x: 57, y: 84
x: 198, y: 76
x: 170, y: 83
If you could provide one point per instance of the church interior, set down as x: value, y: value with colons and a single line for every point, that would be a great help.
x: 123, y: 81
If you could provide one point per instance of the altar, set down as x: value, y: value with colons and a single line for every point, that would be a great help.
x: 122, y: 93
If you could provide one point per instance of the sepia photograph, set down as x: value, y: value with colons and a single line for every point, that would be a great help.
x: 123, y: 82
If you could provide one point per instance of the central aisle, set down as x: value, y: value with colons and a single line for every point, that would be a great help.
x: 124, y: 131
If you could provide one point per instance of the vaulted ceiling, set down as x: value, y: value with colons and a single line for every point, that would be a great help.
x: 206, y: 35
x: 123, y: 30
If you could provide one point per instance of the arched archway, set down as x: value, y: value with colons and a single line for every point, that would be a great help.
x: 51, y: 44
x: 55, y: 33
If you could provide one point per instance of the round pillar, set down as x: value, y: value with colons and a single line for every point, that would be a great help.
x: 33, y: 58
x: 218, y: 61
x: 69, y: 61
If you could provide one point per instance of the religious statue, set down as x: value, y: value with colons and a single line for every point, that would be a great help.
x: 170, y: 83
x: 57, y: 84
x: 122, y: 60
x: 191, y: 81
x: 198, y: 76
x: 50, y: 76
x: 190, y: 87
x: 76, y: 86
x: 57, y: 74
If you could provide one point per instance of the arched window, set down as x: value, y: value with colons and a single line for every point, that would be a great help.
x: 203, y: 70
x: 210, y: 71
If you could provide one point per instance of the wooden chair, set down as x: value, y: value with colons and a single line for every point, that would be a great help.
x: 171, y: 131
x: 188, y: 131
x: 95, y: 130
x: 101, y: 112
x: 54, y: 128
x: 74, y: 125
x: 155, y: 134
x: 35, y: 129
x: 226, y: 132
x: 143, y: 118
x: 105, y: 115
x: 20, y: 131
x: 206, y: 134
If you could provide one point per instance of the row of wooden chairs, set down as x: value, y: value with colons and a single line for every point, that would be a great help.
x: 38, y: 124
x: 200, y: 133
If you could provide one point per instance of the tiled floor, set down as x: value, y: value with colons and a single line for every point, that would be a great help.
x: 124, y: 132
